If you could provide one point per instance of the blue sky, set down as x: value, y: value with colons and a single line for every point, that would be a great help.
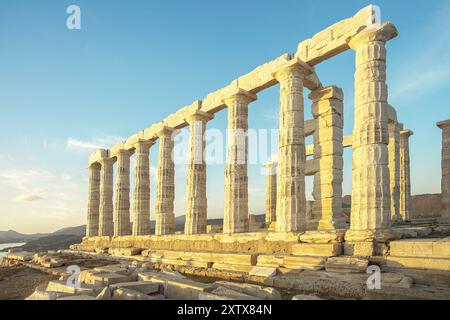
x: 133, y: 63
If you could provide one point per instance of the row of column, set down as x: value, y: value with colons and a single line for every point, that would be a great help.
x: 371, y: 194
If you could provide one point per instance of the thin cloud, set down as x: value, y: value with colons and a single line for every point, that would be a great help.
x: 28, y: 198
x: 73, y: 144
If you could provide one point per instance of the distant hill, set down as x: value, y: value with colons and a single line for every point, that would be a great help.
x: 79, y: 231
x: 14, y: 236
x: 52, y: 242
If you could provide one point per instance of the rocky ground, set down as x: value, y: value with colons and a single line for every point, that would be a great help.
x: 18, y: 282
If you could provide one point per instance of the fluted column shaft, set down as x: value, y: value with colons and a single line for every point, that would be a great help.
x: 371, y: 181
x: 122, y: 196
x: 291, y: 200
x: 445, y: 163
x: 405, y: 176
x: 327, y: 109
x: 93, y: 200
x: 165, y: 192
x: 141, y: 195
x: 394, y: 169
x: 271, y: 192
x: 196, y: 210
x: 106, y: 227
x: 235, y: 218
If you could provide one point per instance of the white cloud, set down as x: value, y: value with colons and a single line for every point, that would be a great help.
x: 97, y: 143
x: 28, y: 198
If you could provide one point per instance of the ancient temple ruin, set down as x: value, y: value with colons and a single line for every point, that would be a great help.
x: 296, y: 235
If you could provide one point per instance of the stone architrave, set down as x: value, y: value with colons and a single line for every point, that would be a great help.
x: 370, y: 213
x: 235, y: 218
x: 93, y: 200
x: 327, y: 109
x: 141, y: 195
x: 106, y: 226
x: 291, y: 200
x: 196, y: 209
x: 165, y: 192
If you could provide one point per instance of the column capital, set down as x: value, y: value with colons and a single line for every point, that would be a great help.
x: 240, y: 95
x: 385, y: 32
x: 199, y: 115
x: 143, y: 143
x: 106, y: 161
x: 293, y: 67
x: 164, y: 131
x: 406, y: 133
x: 326, y: 93
x: 443, y: 124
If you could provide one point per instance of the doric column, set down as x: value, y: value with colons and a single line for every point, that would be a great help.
x: 141, y: 196
x: 93, y: 200
x: 327, y: 109
x: 394, y: 169
x: 196, y: 177
x: 445, y: 181
x: 271, y: 192
x: 371, y: 186
x: 235, y: 218
x: 122, y: 196
x: 291, y: 200
x: 106, y: 226
x: 165, y: 192
x: 405, y: 180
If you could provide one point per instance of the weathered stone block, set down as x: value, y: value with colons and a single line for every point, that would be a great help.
x: 320, y: 249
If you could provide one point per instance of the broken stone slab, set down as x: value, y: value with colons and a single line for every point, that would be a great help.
x: 144, y: 287
x: 212, y: 296
x: 317, y: 249
x: 105, y: 294
x: 20, y: 256
x: 263, y: 272
x: 265, y: 293
x: 176, y: 288
x: 125, y: 251
x: 306, y: 297
x: 346, y: 264
x: 115, y: 268
x: 78, y: 297
x: 129, y: 294
x: 105, y: 278
x: 424, y: 263
x: 46, y: 295
x: 84, y: 289
x: 229, y: 294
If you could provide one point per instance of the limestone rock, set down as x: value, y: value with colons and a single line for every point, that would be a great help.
x: 105, y: 294
x: 306, y: 297
x: 346, y: 264
x: 265, y: 293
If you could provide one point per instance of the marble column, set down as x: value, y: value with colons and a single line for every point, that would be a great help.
x: 165, y: 192
x: 106, y: 226
x: 394, y: 169
x: 271, y: 192
x: 235, y: 218
x: 405, y: 178
x: 93, y: 200
x: 371, y: 204
x: 445, y: 164
x: 327, y: 109
x: 122, y: 195
x: 196, y: 177
x: 291, y: 200
x: 141, y: 195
